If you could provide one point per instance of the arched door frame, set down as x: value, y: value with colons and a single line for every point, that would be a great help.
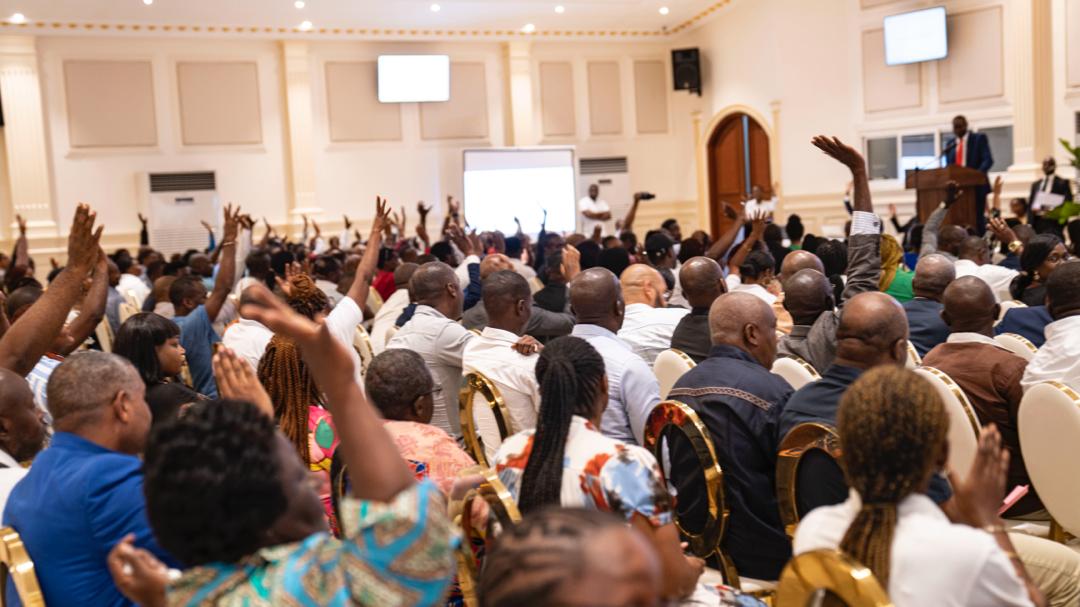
x: 704, y: 195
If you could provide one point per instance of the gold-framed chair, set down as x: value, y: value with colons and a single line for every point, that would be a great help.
x: 795, y: 370
x: 1049, y: 425
x: 913, y: 358
x: 15, y: 562
x: 669, y: 366
x: 474, y: 385
x: 104, y: 334
x: 1017, y: 344
x: 671, y: 415
x: 964, y: 426
x: 1007, y: 305
x: 801, y: 440
x: 809, y: 577
x: 126, y: 311
x: 504, y: 514
x: 374, y: 301
x: 362, y: 345
x: 185, y: 375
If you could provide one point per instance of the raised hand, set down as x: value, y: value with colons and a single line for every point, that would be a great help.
x: 458, y: 237
x: 952, y: 193
x: 206, y: 225
x: 137, y: 573
x: 838, y: 150
x: 52, y: 262
x: 892, y: 210
x: 453, y: 206
x: 21, y: 221
x: 1001, y: 230
x: 757, y: 224
x: 285, y: 284
x: 571, y: 263
x: 318, y: 230
x: 382, y: 221
x: 421, y: 210
x: 142, y: 218
x: 978, y: 496
x: 306, y: 221
x: 477, y: 245
x: 236, y: 380
x: 83, y: 240
x: 232, y: 224
x: 348, y: 224
x: 999, y: 183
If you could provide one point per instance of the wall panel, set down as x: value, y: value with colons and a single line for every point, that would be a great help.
x: 1072, y: 41
x: 650, y: 96
x: 219, y: 103
x: 887, y: 87
x: 465, y: 115
x: 353, y: 108
x: 557, y: 98
x: 605, y: 98
x: 110, y: 103
x: 974, y: 68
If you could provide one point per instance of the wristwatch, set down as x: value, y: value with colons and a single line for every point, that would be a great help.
x: 1015, y: 246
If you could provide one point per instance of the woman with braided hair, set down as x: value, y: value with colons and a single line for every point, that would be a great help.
x: 577, y: 466
x: 299, y: 406
x: 893, y: 431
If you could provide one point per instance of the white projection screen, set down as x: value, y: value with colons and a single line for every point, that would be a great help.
x: 916, y: 36
x: 501, y: 184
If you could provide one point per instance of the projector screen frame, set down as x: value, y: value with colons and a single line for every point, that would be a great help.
x: 525, y: 149
x: 379, y: 77
x: 945, y: 35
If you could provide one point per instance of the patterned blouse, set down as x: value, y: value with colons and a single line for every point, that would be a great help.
x: 322, y: 442
x: 394, y: 555
x: 598, y: 473
x: 432, y: 447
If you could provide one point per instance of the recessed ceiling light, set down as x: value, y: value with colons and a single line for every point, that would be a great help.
x: 435, y: 8
x: 17, y: 18
x: 528, y: 28
x: 664, y: 10
x: 147, y: 2
x: 298, y: 4
x: 560, y: 9
x: 305, y: 26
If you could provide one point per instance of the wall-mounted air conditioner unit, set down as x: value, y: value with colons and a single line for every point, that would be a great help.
x: 613, y: 177
x: 175, y: 204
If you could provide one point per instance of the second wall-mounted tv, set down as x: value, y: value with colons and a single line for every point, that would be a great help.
x: 916, y: 36
x: 414, y: 78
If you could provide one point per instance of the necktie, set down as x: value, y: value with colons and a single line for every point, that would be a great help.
x: 960, y: 152
x: 1048, y: 184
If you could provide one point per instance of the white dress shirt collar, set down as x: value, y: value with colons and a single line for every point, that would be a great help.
x: 585, y: 330
x: 964, y: 337
x: 7, y: 461
x: 499, y: 334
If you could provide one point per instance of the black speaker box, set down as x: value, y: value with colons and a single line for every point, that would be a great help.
x: 686, y: 66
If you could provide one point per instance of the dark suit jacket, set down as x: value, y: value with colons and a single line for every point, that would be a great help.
x: 977, y: 155
x: 925, y: 325
x: 692, y: 336
x: 1061, y: 186
x: 1030, y: 322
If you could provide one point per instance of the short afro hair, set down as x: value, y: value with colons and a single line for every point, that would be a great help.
x: 212, y: 482
x: 185, y: 287
x: 395, y: 379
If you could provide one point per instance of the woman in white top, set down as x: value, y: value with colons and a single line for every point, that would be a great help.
x: 893, y: 430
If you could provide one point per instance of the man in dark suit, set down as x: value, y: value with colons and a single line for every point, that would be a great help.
x: 933, y: 274
x: 972, y: 150
x: 1050, y: 221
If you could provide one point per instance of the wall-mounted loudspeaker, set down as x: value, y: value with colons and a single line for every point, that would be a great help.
x: 686, y: 66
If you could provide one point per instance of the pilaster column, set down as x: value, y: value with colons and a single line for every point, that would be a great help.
x: 1032, y: 84
x: 298, y: 111
x: 522, y: 130
x: 24, y: 135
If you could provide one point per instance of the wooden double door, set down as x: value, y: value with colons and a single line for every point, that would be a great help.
x: 738, y: 160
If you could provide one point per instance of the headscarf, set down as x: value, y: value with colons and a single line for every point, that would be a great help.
x: 892, y: 254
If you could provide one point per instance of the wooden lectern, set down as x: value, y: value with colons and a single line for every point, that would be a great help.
x: 930, y: 189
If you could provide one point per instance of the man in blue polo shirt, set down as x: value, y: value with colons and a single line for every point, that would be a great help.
x: 84, y: 493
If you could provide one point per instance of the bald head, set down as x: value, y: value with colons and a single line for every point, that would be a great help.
x: 974, y: 249
x: 494, y: 263
x: 873, y: 331
x: 403, y: 274
x: 746, y: 322
x: 932, y: 274
x: 642, y: 284
x: 435, y: 284
x: 807, y: 294
x: 950, y: 238
x: 797, y: 261
x: 702, y: 281
x: 24, y: 429
x: 596, y: 299
x: 970, y: 306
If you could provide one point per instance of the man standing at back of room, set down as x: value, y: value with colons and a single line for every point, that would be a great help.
x: 595, y: 212
x: 972, y: 150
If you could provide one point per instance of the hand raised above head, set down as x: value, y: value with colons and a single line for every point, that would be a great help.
x: 978, y: 496
x: 236, y: 380
x: 83, y: 240
x: 845, y: 154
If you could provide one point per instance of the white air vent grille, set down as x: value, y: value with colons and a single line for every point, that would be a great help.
x: 599, y: 166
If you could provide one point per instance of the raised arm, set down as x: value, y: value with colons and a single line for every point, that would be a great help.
x: 223, y: 284
x: 727, y: 239
x: 144, y: 232
x: 30, y: 337
x: 20, y: 256
x: 628, y: 221
x: 934, y: 221
x: 365, y: 271
x: 93, y: 308
x: 375, y: 466
x: 757, y: 232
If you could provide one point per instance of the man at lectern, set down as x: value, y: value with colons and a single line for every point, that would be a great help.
x: 971, y: 150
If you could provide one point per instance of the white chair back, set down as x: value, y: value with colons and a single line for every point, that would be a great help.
x: 913, y: 358
x: 1017, y: 344
x: 362, y: 345
x: 1007, y: 305
x: 668, y: 367
x: 964, y: 426
x: 795, y: 370
x: 1049, y: 424
x: 126, y: 311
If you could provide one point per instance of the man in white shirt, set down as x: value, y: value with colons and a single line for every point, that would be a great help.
x: 394, y: 305
x: 648, y: 324
x: 24, y: 431
x: 508, y: 301
x: 633, y: 391
x: 595, y: 212
x: 434, y: 333
x: 974, y: 260
x: 247, y: 337
x: 513, y: 252
x: 758, y: 202
x: 1059, y: 358
x: 130, y: 282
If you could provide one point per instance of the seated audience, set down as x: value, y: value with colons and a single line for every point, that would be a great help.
x: 834, y: 257
x: 152, y: 344
x: 702, y: 281
x: 196, y: 310
x: 888, y: 523
x: 988, y: 374
x: 926, y: 329
x: 222, y: 453
x: 84, y: 492
x: 740, y: 402
x: 660, y: 252
x: 555, y: 296
x: 542, y: 323
x: 1041, y: 256
x: 974, y: 260
x: 943, y: 239
x: 392, y: 307
x: 401, y: 388
x: 508, y: 301
x: 434, y: 333
x: 113, y: 298
x: 615, y: 260
x: 754, y: 275
x: 513, y: 250
x: 246, y: 337
x: 1029, y: 323
x: 633, y: 391
x: 566, y: 461
x: 1059, y: 358
x: 385, y: 284
x: 807, y: 297
x: 647, y: 324
x: 24, y: 431
x: 131, y: 283
x: 895, y: 278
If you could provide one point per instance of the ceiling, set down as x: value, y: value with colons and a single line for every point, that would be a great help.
x: 358, y: 17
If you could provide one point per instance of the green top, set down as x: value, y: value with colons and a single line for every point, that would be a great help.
x: 900, y: 288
